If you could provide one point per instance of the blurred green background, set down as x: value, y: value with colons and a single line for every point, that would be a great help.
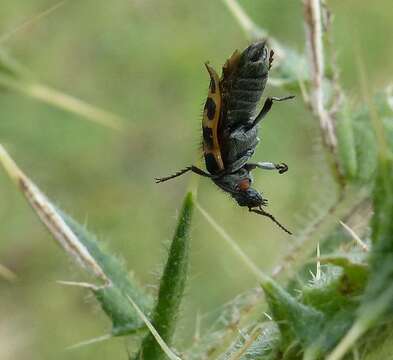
x: 143, y: 59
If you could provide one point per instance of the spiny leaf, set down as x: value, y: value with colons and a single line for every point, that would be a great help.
x: 336, y: 294
x: 295, y: 320
x: 378, y: 296
x: 332, y: 333
x: 335, y: 289
x: 172, y: 284
x: 358, y: 145
x: 113, y: 298
x: 50, y: 217
x: 355, y: 272
x: 381, y: 261
x: 84, y: 248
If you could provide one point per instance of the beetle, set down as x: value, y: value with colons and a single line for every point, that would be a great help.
x: 230, y: 127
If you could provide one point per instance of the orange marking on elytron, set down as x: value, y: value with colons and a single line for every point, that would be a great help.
x: 213, y: 124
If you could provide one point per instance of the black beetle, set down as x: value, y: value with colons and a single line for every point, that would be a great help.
x: 230, y: 127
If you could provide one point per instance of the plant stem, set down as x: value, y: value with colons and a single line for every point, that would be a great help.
x: 63, y: 101
x: 314, y: 42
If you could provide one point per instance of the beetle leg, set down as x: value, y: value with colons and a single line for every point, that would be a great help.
x: 281, y: 167
x: 183, y: 171
x: 267, y: 106
x: 199, y: 171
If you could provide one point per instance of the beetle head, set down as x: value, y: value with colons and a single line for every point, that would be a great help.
x: 250, y: 198
x: 238, y: 184
x: 245, y: 195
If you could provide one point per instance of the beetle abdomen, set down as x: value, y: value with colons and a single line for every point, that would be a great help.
x: 242, y: 85
x: 244, y: 78
x: 228, y: 138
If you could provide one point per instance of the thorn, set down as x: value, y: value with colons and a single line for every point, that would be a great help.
x: 197, y: 335
x: 312, y: 275
x: 89, y: 342
x: 79, y: 284
x: 355, y: 237
x: 171, y: 355
x: 318, y: 275
x: 299, y: 291
x: 268, y: 316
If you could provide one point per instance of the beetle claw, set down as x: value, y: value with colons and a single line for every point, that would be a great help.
x: 282, y: 168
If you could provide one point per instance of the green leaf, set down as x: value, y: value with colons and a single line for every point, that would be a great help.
x: 83, y: 247
x: 354, y: 274
x: 377, y: 300
x: 172, y: 284
x: 358, y: 147
x: 297, y: 322
x: 333, y: 331
x: 336, y: 293
x: 381, y: 261
x: 113, y: 298
x: 334, y: 290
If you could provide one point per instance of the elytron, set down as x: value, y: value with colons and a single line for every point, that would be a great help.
x: 230, y: 126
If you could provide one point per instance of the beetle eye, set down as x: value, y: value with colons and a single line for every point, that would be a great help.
x: 244, y: 185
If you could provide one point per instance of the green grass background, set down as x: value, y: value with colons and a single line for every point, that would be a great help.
x: 143, y: 59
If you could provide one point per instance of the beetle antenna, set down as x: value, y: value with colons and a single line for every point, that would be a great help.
x: 265, y: 213
x: 180, y: 172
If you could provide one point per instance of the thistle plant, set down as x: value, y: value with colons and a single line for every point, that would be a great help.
x: 341, y: 310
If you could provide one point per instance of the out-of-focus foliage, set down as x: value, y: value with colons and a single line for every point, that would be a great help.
x: 357, y: 138
x: 144, y: 61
